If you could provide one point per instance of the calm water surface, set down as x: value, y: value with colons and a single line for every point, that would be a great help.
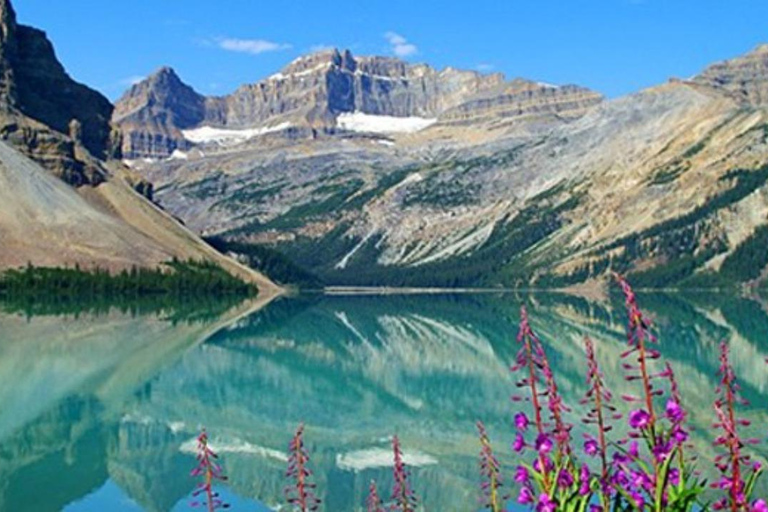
x: 99, y: 412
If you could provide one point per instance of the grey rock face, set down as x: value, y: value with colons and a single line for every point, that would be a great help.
x: 312, y: 91
x: 153, y: 113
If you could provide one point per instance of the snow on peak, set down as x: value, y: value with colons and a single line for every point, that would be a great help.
x: 225, y: 137
x: 369, y: 123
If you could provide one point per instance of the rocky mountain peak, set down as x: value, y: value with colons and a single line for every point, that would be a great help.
x: 744, y: 77
x: 152, y: 113
x: 39, y: 101
x: 165, y: 75
x: 7, y: 15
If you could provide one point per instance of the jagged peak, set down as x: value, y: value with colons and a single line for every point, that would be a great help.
x: 6, y: 11
x: 164, y: 74
x: 7, y: 24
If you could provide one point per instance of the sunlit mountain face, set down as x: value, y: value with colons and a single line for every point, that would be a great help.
x: 118, y: 426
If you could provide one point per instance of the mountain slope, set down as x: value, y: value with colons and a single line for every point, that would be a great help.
x: 45, y: 222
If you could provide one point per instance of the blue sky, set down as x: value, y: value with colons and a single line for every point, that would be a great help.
x: 613, y: 46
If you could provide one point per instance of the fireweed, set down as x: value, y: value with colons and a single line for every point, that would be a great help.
x: 300, y: 494
x: 490, y: 471
x: 210, y: 470
x: 738, y: 472
x: 646, y: 471
x: 553, y: 481
x: 600, y: 412
x: 649, y: 469
x: 373, y: 502
x: 403, y: 498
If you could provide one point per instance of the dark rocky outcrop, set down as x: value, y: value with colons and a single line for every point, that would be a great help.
x: 40, y: 104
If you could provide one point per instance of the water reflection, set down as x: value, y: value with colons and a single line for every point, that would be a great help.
x: 102, y: 410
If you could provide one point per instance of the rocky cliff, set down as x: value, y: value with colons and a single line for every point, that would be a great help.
x: 312, y: 94
x: 43, y: 111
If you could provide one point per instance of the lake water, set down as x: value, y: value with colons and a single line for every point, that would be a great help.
x: 98, y: 411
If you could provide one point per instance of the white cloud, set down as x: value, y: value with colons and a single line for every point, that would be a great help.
x: 485, y: 67
x: 400, y: 45
x: 252, y: 46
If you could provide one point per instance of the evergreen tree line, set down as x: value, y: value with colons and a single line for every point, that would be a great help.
x: 175, y: 278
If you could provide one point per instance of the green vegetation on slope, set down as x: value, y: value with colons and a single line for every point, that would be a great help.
x: 268, y: 261
x: 177, y: 279
x: 749, y: 259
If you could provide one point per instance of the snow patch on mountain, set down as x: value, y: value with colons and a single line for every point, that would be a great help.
x: 223, y: 136
x: 369, y: 123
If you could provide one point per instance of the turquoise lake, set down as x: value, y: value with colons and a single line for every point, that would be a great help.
x: 100, y: 411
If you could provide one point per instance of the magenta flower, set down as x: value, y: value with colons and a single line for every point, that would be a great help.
x: 525, y: 497
x: 759, y: 506
x: 546, y: 504
x: 518, y: 445
x: 564, y: 479
x: 591, y: 447
x: 521, y: 421
x: 584, y: 480
x: 639, y: 419
x: 638, y: 336
x: 543, y: 444
x: 521, y: 475
x: 300, y: 493
x: 373, y: 503
x: 674, y: 412
x: 402, y: 495
x: 209, y: 469
x: 490, y: 471
x: 733, y: 463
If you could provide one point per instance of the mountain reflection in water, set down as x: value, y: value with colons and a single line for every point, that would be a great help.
x: 99, y: 411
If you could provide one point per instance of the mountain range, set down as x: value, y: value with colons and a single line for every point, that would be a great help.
x: 368, y: 170
x: 374, y: 171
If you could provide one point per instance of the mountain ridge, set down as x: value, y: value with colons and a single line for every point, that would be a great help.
x: 307, y: 97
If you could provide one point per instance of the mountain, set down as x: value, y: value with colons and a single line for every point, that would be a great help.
x: 327, y: 92
x: 411, y: 176
x: 64, y: 201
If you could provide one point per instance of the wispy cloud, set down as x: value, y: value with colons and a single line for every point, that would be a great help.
x: 251, y: 46
x: 400, y: 45
x: 485, y: 67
